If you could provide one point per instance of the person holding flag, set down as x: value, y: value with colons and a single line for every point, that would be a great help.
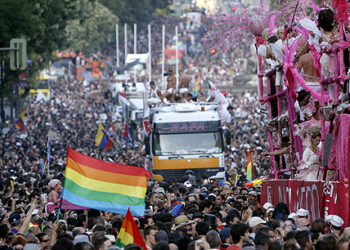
x: 19, y: 124
x: 102, y: 139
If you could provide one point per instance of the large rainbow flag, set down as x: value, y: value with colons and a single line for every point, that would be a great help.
x: 250, y: 169
x: 129, y: 233
x: 105, y: 186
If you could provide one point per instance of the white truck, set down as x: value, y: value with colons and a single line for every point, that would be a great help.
x: 185, y: 136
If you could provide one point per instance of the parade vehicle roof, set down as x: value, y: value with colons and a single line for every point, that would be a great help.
x: 186, y: 112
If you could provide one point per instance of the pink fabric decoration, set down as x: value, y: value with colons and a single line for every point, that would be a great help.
x: 342, y: 10
x: 272, y: 24
x: 339, y: 155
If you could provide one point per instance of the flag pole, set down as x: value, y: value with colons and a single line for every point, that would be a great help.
x: 149, y: 54
x: 135, y: 47
x: 117, y: 42
x: 125, y: 41
x: 163, y: 56
x: 177, y: 56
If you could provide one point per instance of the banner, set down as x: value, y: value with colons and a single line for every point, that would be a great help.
x: 319, y: 197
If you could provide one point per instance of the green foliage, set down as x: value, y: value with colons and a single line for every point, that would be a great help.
x: 95, y: 31
x: 135, y: 11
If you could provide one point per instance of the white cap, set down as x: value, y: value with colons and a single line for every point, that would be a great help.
x: 253, y: 193
x: 188, y: 184
x: 271, y: 209
x: 302, y: 212
x: 292, y: 215
x: 267, y: 205
x: 254, y: 221
x: 337, y: 221
x: 212, y: 194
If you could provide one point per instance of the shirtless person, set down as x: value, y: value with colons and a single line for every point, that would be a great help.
x: 155, y: 94
x: 184, y: 84
x: 310, y: 75
x: 171, y: 86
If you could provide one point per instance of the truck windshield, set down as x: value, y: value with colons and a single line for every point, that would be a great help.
x: 186, y: 144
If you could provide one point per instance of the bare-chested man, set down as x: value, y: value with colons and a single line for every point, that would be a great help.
x: 171, y: 85
x: 309, y: 72
x: 184, y: 84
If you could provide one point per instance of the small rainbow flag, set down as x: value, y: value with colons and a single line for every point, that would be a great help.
x: 20, y: 122
x: 250, y: 169
x: 102, y: 139
x: 105, y: 186
x: 129, y: 233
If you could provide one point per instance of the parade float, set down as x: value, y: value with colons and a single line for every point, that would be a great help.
x: 279, y: 84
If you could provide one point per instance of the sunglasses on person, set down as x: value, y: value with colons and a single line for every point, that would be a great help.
x: 47, y: 240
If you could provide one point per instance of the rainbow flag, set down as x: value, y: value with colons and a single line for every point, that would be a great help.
x: 250, y: 169
x: 102, y: 139
x: 105, y: 186
x: 129, y: 233
x: 20, y: 122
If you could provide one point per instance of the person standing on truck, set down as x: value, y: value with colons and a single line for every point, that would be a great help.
x: 184, y: 84
x: 155, y: 94
x: 171, y: 86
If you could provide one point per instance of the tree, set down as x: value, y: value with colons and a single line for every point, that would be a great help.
x: 95, y: 31
x: 135, y: 11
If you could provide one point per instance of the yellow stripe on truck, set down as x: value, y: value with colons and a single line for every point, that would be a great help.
x: 185, y: 163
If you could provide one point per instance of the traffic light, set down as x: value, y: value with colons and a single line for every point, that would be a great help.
x: 213, y: 51
x: 18, y: 54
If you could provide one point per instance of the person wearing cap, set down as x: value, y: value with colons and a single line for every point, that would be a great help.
x: 336, y: 222
x: 225, y: 236
x: 302, y: 213
x: 255, y: 223
x: 252, y: 196
x: 182, y: 221
x: 54, y: 199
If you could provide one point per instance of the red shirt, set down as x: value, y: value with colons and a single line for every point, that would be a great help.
x: 233, y: 247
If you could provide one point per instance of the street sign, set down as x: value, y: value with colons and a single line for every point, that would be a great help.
x: 18, y: 54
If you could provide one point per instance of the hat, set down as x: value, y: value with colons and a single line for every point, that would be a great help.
x: 222, y: 183
x: 212, y: 194
x: 253, y: 193
x: 31, y: 246
x: 161, y: 236
x: 302, y: 212
x: 81, y: 238
x: 254, y: 221
x: 15, y: 219
x: 267, y: 205
x: 181, y: 221
x: 160, y: 190
x: 111, y: 237
x: 53, y: 183
x: 292, y: 215
x: 271, y: 209
x: 225, y: 233
x: 337, y: 221
x: 188, y: 184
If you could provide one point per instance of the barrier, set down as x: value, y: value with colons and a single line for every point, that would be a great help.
x: 321, y: 198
